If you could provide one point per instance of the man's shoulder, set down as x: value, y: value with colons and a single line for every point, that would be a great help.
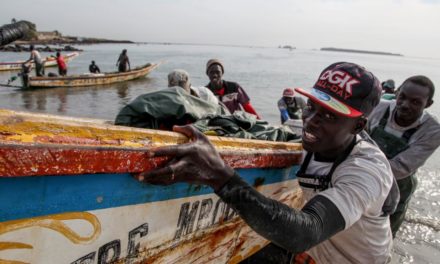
x: 300, y: 100
x: 430, y: 127
x: 231, y: 85
x: 432, y: 119
x: 385, y: 103
x: 366, y: 169
x: 381, y: 108
x: 366, y: 155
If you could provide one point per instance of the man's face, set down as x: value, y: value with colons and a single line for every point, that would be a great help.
x: 388, y: 90
x: 288, y: 100
x: 215, y: 74
x: 410, y: 103
x: 324, y: 132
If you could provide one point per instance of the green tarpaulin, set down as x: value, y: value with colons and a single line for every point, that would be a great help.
x: 173, y: 106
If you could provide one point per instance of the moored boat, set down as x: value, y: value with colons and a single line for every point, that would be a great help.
x: 88, y: 79
x: 67, y: 195
x: 48, y: 62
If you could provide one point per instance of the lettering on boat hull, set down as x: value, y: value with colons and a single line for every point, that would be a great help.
x: 199, y: 229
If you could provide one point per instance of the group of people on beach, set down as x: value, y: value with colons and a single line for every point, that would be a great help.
x: 358, y: 173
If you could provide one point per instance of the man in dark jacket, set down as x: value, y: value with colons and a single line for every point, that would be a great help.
x: 93, y: 68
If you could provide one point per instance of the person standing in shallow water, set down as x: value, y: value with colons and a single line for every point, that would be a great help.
x: 231, y: 94
x: 123, y: 62
x: 408, y: 135
x: 345, y: 177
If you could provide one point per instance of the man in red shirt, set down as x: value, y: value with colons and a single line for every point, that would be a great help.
x: 62, y: 67
x: 231, y: 94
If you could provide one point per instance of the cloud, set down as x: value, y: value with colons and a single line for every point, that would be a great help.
x: 402, y: 26
x: 430, y: 1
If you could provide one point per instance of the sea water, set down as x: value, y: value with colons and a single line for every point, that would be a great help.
x: 263, y: 73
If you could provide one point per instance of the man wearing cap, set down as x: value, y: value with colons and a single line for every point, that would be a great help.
x: 345, y: 177
x: 388, y: 90
x: 290, y: 106
x: 231, y: 94
x: 181, y: 79
x: 407, y: 134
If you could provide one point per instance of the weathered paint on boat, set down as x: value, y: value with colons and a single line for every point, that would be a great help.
x: 67, y: 195
x: 90, y: 79
x: 48, y: 62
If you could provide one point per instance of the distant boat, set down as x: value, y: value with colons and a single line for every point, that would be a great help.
x: 89, y: 79
x: 67, y: 195
x: 48, y: 62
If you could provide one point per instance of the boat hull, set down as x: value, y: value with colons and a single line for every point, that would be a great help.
x: 94, y: 211
x: 89, y: 79
x: 48, y: 62
x: 71, y: 219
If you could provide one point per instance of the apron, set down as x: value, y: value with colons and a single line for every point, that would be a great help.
x: 275, y: 254
x: 321, y: 182
x: 391, y: 146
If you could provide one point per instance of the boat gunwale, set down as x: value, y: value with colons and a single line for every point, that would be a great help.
x: 67, y: 56
x: 43, y: 142
x: 40, y: 120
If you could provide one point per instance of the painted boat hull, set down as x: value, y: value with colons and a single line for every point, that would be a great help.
x: 67, y: 195
x: 48, y: 62
x: 90, y: 79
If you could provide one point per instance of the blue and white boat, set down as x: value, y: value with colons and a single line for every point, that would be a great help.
x: 68, y: 195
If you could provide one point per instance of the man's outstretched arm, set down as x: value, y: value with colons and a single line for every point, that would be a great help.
x: 291, y: 229
x: 198, y: 162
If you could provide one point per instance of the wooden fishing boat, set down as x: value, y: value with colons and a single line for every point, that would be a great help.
x: 67, y: 195
x: 89, y: 79
x: 48, y: 62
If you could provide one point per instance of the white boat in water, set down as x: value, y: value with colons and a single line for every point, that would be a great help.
x: 48, y: 62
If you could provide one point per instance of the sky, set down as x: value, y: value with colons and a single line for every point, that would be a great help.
x: 409, y: 27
